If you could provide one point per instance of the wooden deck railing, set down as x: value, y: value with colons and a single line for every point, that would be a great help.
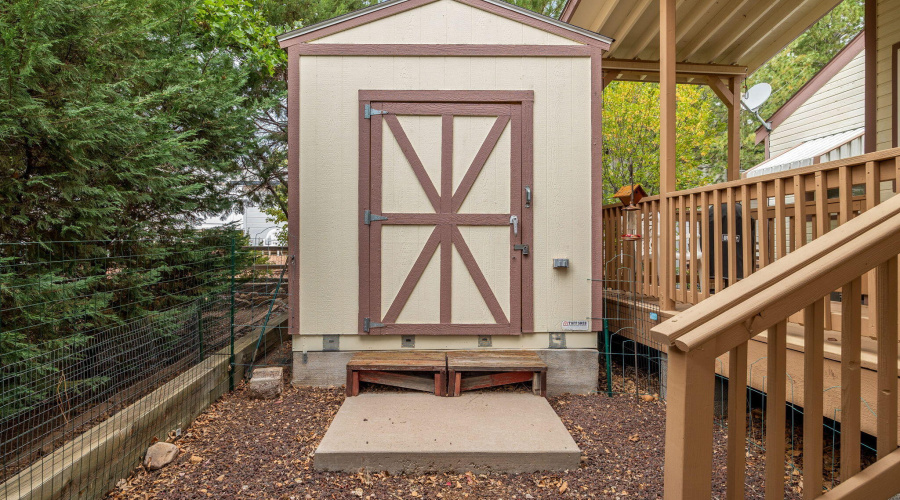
x: 780, y: 213
x: 762, y: 302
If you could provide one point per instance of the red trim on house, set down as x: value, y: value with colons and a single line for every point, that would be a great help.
x: 446, y: 203
x: 596, y: 191
x: 443, y: 50
x: 353, y: 22
x: 461, y: 96
x: 815, y: 83
x: 508, y: 13
x: 364, y: 203
x: 524, y: 142
x: 536, y: 23
x: 293, y: 106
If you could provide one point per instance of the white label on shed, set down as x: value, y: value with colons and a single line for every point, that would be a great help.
x: 575, y: 326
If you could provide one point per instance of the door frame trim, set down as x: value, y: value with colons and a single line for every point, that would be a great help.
x: 524, y: 99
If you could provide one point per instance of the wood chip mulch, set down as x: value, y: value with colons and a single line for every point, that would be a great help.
x: 243, y: 448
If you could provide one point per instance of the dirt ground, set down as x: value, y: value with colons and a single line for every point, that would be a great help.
x: 243, y: 448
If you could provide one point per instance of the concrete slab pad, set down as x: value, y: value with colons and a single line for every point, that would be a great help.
x: 478, y: 432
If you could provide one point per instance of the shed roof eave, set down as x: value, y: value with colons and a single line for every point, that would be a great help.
x: 584, y: 35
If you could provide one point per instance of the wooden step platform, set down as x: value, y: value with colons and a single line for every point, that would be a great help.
x: 468, y: 370
x: 428, y: 370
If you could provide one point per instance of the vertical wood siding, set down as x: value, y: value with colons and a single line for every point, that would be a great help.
x: 329, y: 173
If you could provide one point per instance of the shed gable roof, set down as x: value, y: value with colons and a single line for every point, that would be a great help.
x: 391, y: 7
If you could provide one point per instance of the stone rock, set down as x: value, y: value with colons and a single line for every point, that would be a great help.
x: 266, y: 383
x: 159, y: 455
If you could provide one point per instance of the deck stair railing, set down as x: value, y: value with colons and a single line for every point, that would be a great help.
x: 763, y: 302
x: 773, y: 215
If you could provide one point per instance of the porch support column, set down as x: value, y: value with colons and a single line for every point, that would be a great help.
x: 734, y: 129
x: 871, y: 68
x: 666, y: 151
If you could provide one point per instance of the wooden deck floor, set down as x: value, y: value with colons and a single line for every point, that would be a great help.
x: 641, y: 309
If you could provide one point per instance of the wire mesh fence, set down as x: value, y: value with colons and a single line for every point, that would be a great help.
x: 95, y: 335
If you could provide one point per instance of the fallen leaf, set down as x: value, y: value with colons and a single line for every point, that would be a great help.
x: 564, y: 487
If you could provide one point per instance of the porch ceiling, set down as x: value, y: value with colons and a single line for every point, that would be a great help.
x: 737, y: 33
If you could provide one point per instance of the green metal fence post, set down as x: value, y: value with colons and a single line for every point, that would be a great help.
x: 200, y: 327
x: 231, y: 356
x: 608, y: 348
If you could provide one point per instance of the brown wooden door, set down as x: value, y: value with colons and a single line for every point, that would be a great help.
x: 442, y: 244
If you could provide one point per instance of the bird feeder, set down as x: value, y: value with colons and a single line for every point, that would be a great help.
x: 629, y: 196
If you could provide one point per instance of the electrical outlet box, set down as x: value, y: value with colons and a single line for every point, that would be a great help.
x: 560, y: 263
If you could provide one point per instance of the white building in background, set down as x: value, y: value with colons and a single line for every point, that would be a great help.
x: 823, y: 121
x: 254, y: 222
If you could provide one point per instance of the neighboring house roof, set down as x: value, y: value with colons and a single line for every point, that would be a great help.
x: 837, y: 63
x: 391, y: 7
x: 805, y: 154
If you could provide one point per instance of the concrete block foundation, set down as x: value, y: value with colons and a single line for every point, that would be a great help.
x: 572, y: 371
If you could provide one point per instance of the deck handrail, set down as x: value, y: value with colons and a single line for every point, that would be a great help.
x: 726, y: 322
x: 756, y: 303
x: 885, y: 154
x: 720, y: 234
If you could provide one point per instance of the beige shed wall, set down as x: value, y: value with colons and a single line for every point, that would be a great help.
x: 837, y: 107
x: 329, y: 165
x: 888, y: 35
x: 446, y: 22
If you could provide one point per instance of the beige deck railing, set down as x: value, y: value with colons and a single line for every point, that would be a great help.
x: 830, y: 194
x: 762, y: 302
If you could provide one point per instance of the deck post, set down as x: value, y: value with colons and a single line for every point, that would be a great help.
x: 734, y: 134
x: 871, y: 71
x: 666, y: 149
x: 689, y: 423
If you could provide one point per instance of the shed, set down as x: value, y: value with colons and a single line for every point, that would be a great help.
x: 442, y: 154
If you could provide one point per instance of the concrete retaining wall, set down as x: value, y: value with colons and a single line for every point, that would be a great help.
x: 90, y: 465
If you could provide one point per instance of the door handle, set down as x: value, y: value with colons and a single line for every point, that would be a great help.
x: 514, y: 220
x: 527, y: 196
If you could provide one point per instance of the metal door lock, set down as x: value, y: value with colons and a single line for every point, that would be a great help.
x: 523, y: 248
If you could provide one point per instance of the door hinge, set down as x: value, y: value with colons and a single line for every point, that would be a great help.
x: 369, y: 111
x: 369, y: 217
x: 523, y: 248
x: 368, y: 324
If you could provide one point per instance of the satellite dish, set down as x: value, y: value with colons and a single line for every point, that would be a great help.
x: 756, y: 96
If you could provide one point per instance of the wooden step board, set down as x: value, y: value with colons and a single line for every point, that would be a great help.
x: 427, y: 370
x: 468, y: 370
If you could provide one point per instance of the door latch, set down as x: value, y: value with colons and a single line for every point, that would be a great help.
x: 527, y: 196
x: 514, y: 220
x: 523, y: 248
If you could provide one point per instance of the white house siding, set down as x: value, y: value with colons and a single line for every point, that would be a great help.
x: 253, y: 222
x: 888, y: 35
x: 837, y: 107
x: 329, y: 166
